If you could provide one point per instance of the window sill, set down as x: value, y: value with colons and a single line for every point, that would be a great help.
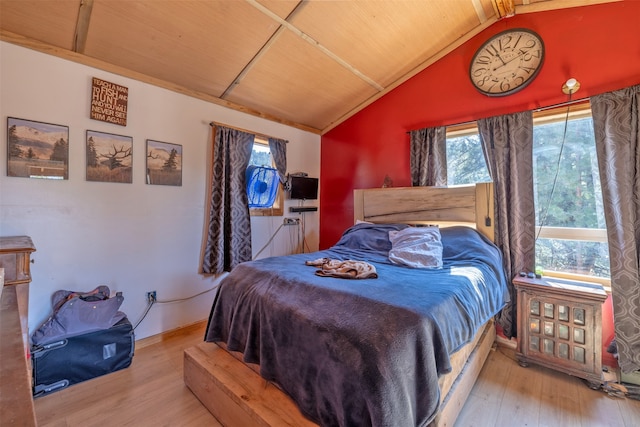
x: 266, y: 212
x: 604, y: 281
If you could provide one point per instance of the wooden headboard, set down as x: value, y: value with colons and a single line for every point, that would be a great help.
x: 470, y: 205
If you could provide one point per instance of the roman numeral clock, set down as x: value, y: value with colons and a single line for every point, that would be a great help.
x: 507, y: 62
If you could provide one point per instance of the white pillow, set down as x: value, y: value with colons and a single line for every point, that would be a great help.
x: 416, y: 247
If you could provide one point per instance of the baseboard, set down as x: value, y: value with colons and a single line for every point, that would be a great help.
x: 155, y: 339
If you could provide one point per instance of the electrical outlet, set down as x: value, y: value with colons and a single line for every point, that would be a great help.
x: 291, y: 221
x: 151, y: 296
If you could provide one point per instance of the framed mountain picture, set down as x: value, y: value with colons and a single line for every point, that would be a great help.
x: 37, y: 149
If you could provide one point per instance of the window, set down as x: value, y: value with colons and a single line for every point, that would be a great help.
x: 465, y: 159
x: 261, y: 156
x: 570, y: 224
x: 571, y: 239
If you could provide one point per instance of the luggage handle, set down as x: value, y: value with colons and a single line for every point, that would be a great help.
x: 44, y: 347
x: 46, y: 389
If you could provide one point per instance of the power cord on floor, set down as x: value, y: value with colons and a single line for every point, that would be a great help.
x: 153, y: 300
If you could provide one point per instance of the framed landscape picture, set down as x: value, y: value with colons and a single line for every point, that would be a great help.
x: 109, y: 157
x: 37, y: 149
x: 164, y: 163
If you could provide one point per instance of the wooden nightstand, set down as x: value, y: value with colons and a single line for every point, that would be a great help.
x: 560, y: 326
x: 15, y: 258
x: 16, y: 398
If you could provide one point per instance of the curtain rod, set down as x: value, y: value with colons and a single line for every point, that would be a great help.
x: 261, y: 135
x: 455, y: 124
x: 550, y: 107
x: 562, y: 104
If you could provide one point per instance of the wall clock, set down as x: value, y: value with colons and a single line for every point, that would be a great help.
x: 507, y: 62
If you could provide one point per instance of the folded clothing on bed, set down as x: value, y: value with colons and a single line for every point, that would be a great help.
x: 348, y: 269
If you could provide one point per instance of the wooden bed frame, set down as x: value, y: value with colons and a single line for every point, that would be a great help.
x: 236, y: 395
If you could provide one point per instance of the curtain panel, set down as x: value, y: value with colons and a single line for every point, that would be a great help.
x: 507, y: 142
x: 227, y: 231
x: 428, y: 160
x: 278, y: 148
x: 616, y: 121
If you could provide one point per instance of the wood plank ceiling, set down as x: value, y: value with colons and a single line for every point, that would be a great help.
x: 309, y: 64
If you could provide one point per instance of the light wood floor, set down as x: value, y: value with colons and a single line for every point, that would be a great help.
x: 507, y: 394
x: 151, y: 392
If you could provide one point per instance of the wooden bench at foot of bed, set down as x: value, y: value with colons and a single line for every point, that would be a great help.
x: 234, y: 393
x: 237, y: 396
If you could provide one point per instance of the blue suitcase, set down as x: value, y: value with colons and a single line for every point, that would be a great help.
x: 70, y: 360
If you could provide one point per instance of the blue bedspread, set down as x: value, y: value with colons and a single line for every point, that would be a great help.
x: 360, y: 352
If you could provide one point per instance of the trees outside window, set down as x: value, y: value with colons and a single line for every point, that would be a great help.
x: 569, y: 209
x: 465, y: 160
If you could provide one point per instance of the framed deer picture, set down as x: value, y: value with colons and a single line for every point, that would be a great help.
x: 109, y: 157
x: 164, y: 163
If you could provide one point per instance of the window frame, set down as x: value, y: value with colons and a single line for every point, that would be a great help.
x: 277, y: 209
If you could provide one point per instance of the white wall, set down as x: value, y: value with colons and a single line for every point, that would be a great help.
x: 133, y: 237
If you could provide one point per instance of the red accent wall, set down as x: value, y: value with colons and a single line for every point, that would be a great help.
x: 598, y: 45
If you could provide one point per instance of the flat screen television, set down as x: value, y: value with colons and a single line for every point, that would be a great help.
x: 303, y: 187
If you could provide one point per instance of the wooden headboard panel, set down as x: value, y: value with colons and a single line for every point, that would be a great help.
x: 470, y: 205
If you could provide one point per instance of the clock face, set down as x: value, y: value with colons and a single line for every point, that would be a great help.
x: 507, y: 62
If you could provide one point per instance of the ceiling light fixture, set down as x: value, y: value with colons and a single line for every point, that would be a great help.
x: 571, y: 86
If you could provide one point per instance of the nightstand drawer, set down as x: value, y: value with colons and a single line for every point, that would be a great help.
x: 15, y: 258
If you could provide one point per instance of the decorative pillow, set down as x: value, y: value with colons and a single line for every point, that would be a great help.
x: 416, y: 247
x: 369, y: 237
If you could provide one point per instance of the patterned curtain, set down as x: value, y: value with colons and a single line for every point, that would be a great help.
x: 278, y: 149
x: 507, y: 142
x: 228, y: 225
x: 616, y: 121
x: 429, y: 156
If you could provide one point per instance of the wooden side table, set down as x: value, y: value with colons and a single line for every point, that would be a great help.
x: 560, y: 326
x: 15, y: 258
x: 15, y: 371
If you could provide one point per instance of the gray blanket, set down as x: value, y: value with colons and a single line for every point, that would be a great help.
x: 360, y: 352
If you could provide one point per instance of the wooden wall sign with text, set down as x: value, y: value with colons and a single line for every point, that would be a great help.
x: 109, y: 102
